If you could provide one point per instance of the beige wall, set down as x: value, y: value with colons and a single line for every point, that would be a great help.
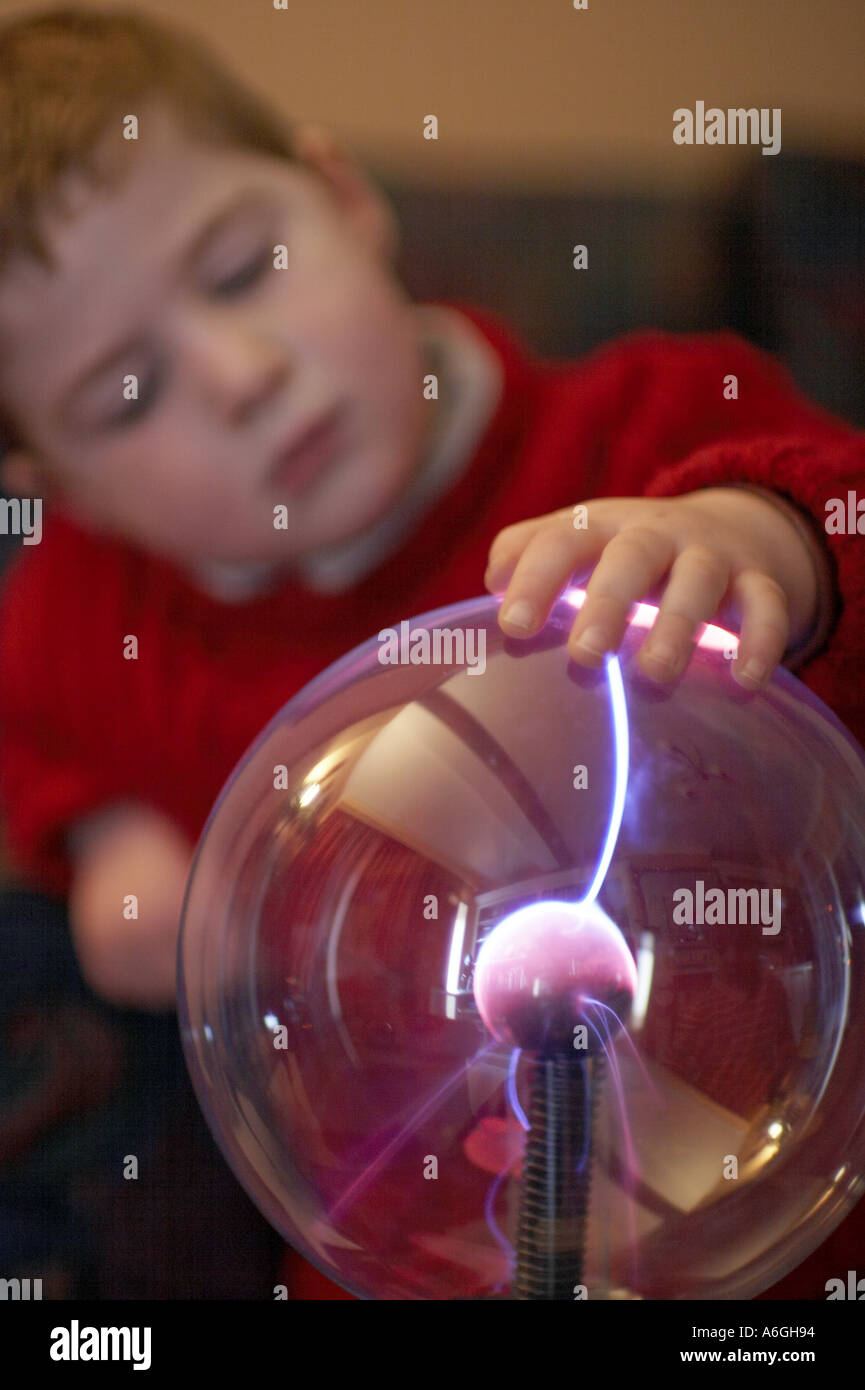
x: 533, y: 93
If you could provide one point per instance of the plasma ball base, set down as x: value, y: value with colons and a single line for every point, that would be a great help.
x: 556, y: 1179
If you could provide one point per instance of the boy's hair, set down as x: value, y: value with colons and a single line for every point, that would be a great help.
x: 67, y: 73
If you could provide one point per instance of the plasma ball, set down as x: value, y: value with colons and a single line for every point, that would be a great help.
x: 550, y: 967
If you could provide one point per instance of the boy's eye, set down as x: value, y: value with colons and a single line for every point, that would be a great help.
x: 247, y: 275
x: 242, y: 279
x: 132, y: 409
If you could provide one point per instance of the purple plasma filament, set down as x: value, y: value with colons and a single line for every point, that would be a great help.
x: 543, y: 972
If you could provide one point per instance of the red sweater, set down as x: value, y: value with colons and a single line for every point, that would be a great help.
x: 81, y: 726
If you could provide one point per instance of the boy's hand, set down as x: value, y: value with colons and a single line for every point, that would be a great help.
x: 719, y: 555
x: 129, y: 849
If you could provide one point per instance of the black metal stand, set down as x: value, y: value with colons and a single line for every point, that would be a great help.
x: 557, y: 1166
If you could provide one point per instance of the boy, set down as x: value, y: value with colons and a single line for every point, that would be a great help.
x: 165, y: 617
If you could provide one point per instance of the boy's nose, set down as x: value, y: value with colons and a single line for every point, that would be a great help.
x: 235, y: 369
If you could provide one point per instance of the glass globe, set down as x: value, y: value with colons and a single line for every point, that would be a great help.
x: 504, y: 979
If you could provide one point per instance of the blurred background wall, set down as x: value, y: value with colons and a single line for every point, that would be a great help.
x: 555, y: 127
x: 532, y: 93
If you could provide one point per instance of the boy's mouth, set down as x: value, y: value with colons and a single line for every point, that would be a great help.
x: 309, y: 449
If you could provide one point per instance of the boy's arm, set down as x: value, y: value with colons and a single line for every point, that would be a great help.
x: 653, y: 399
x: 824, y: 481
x: 674, y: 417
x: 122, y: 850
x: 803, y: 562
x: 680, y: 413
x: 73, y: 825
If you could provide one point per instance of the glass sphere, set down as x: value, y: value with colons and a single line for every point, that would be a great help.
x: 503, y: 978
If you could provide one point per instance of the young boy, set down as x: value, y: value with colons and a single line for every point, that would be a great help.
x: 241, y: 276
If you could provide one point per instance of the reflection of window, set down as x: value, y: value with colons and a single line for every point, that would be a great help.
x: 654, y: 887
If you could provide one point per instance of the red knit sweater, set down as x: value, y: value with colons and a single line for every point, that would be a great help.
x: 81, y: 726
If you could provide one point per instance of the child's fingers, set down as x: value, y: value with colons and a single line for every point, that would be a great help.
x: 541, y: 572
x: 698, y: 581
x: 511, y: 542
x: 532, y: 561
x: 632, y: 563
x: 765, y: 627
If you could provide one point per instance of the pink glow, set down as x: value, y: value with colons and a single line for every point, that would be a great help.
x: 713, y: 638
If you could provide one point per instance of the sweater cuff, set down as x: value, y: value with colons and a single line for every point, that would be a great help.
x: 798, y: 476
x: 828, y: 604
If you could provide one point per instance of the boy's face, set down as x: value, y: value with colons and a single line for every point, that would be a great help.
x: 173, y: 271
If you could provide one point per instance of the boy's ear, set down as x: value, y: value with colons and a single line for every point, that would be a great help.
x: 319, y: 150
